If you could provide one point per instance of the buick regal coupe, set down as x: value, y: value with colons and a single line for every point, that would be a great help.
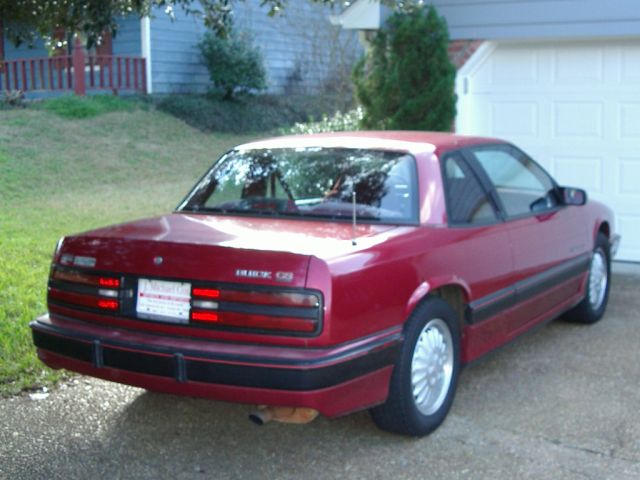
x: 332, y: 273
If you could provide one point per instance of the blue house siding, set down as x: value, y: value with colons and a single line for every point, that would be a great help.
x: 175, y: 59
x: 126, y: 42
x: 302, y: 50
x: 12, y: 52
x: 531, y: 19
x: 127, y: 39
x: 294, y: 46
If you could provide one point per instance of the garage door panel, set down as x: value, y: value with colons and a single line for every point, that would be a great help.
x: 575, y: 108
x: 629, y: 121
x: 629, y: 178
x: 578, y: 64
x: 512, y: 118
x: 583, y: 171
x: 578, y: 120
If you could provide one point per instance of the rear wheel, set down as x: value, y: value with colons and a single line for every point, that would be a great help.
x: 425, y: 376
x: 593, y: 305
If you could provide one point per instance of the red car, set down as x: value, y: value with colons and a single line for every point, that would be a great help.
x: 333, y: 272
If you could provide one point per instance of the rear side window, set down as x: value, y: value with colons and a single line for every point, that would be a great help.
x: 467, y: 202
x: 522, y: 186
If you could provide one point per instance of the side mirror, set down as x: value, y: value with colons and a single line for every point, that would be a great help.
x: 573, y: 196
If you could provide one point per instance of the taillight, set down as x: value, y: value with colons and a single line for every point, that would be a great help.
x: 257, y: 309
x: 205, y: 317
x: 206, y: 292
x: 257, y: 322
x: 109, y: 304
x: 294, y: 312
x: 84, y: 289
x: 109, y: 282
x: 82, y: 299
x: 77, y: 276
x: 287, y: 299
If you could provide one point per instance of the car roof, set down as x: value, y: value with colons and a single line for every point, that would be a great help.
x: 408, y: 141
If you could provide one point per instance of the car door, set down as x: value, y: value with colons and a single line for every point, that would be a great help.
x: 478, y: 248
x: 548, y: 241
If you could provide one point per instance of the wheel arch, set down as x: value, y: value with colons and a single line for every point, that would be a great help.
x: 454, y: 291
x: 604, y: 228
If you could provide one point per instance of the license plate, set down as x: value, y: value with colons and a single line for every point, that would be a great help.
x: 163, y: 301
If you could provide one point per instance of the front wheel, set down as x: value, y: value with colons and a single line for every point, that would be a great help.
x: 425, y: 376
x: 592, y: 307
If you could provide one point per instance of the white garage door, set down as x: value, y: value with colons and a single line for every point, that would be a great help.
x: 574, y: 107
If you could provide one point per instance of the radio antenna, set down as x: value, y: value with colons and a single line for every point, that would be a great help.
x: 353, y: 218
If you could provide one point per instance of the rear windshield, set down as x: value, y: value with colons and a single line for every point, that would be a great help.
x: 314, y: 183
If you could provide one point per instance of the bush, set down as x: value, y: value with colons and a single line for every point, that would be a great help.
x: 249, y: 114
x: 234, y: 64
x: 407, y: 80
x: 13, y: 98
x: 338, y: 122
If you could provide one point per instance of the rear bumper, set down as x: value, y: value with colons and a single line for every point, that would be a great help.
x: 334, y: 380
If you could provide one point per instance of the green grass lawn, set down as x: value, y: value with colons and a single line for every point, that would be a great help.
x: 65, y: 175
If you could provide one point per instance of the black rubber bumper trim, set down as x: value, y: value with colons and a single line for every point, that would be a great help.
x: 182, y: 367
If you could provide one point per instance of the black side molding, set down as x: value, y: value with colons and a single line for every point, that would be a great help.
x: 490, y: 305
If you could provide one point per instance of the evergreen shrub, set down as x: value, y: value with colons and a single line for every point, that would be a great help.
x: 406, y: 81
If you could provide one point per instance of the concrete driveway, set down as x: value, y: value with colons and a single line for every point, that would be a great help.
x: 562, y: 402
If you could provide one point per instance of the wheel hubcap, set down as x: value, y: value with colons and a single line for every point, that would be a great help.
x: 598, y: 278
x: 432, y: 366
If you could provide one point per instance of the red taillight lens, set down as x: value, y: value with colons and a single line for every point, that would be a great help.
x: 109, y: 282
x: 296, y: 312
x: 76, y: 276
x: 256, y: 322
x: 73, y: 287
x: 206, y: 292
x: 285, y: 299
x: 108, y: 304
x: 83, y: 300
x: 205, y: 317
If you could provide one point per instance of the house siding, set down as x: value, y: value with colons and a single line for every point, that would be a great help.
x: 301, y: 49
x: 539, y: 19
x: 127, y: 39
x: 11, y: 52
x: 175, y: 58
x: 126, y: 42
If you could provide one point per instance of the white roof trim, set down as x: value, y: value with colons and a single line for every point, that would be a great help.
x: 340, y: 141
x: 463, y: 86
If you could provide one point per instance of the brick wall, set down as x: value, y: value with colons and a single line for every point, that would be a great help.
x: 461, y: 50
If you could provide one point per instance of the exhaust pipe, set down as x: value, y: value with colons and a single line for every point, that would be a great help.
x: 260, y: 417
x: 265, y: 414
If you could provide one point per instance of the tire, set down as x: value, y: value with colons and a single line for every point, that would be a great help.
x: 432, y: 328
x: 593, y: 305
